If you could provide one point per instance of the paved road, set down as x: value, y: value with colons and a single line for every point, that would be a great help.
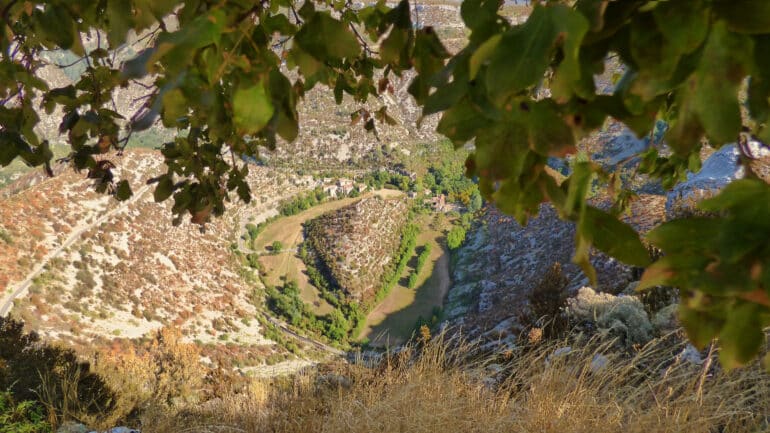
x: 6, y: 301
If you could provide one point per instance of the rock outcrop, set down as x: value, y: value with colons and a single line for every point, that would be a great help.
x: 721, y: 168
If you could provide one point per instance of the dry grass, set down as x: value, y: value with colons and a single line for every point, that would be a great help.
x: 438, y: 389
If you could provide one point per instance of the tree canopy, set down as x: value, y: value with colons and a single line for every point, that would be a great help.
x: 228, y: 75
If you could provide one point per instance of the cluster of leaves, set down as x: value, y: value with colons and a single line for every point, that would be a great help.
x: 721, y: 266
x: 21, y: 417
x: 217, y: 76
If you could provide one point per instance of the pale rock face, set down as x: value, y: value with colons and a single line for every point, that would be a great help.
x: 721, y: 168
x: 622, y: 149
x: 502, y: 261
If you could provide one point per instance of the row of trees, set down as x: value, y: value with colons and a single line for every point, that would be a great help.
x: 302, y: 202
x: 422, y: 258
x: 383, y: 178
x: 399, y: 261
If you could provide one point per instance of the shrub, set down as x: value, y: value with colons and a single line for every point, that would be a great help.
x: 164, y: 373
x: 277, y: 246
x: 6, y: 237
x: 547, y: 301
x: 619, y: 316
x: 253, y: 260
x: 23, y: 417
x: 455, y: 237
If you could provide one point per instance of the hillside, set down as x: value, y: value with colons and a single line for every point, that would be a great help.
x: 77, y: 265
x: 355, y: 244
x: 502, y: 261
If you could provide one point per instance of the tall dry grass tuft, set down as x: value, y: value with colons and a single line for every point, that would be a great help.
x: 442, y: 385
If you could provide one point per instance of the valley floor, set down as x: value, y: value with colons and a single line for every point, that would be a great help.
x: 393, y: 321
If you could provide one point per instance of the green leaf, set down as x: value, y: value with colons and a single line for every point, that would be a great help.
x: 175, y: 49
x: 521, y: 57
x: 395, y: 49
x: 445, y: 97
x: 252, y: 109
x: 549, y: 134
x: 649, y: 48
x: 11, y: 146
x: 164, y: 189
x: 742, y: 335
x: 571, y: 27
x: 744, y: 16
x: 593, y: 10
x: 614, y: 237
x: 175, y: 106
x: 740, y: 195
x: 326, y: 38
x: 119, y: 16
x: 683, y: 24
x: 123, y: 191
x: 482, y: 54
x: 582, y: 253
x: 578, y: 184
x: 684, y: 234
x: 701, y: 327
x: 57, y: 25
x: 726, y: 61
x: 657, y: 274
x: 501, y: 150
x: 461, y: 122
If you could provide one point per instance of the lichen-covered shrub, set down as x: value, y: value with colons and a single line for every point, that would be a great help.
x: 623, y: 317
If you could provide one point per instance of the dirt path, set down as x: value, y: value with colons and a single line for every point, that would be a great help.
x: 6, y: 302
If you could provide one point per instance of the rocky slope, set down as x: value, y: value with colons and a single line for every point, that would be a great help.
x: 80, y: 265
x: 502, y: 261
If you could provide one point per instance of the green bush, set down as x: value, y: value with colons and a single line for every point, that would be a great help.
x: 456, y: 237
x: 23, y: 417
